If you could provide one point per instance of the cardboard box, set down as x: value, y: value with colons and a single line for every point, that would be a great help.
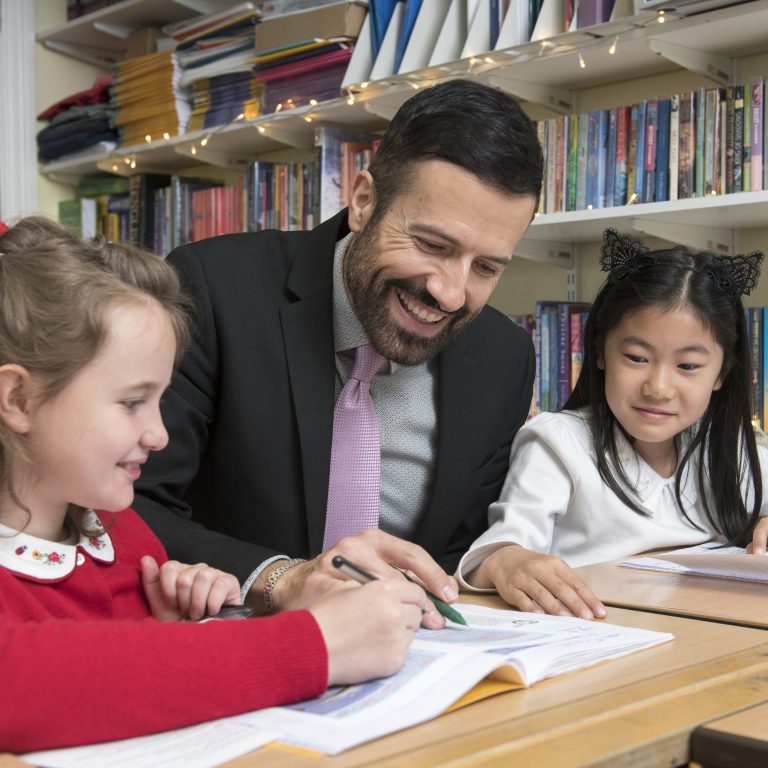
x: 336, y: 20
x: 141, y: 42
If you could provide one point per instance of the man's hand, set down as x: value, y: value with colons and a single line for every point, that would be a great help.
x: 373, y: 550
x: 177, y: 591
x: 531, y: 581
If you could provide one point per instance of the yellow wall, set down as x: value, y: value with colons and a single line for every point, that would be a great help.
x: 57, y: 76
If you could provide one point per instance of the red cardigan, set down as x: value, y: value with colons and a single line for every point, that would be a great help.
x: 82, y: 660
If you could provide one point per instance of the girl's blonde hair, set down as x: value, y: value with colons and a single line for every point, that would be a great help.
x: 56, y: 291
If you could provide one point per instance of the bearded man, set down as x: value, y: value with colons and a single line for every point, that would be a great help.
x: 250, y: 480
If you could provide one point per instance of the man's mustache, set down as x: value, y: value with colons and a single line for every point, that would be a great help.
x: 420, y: 293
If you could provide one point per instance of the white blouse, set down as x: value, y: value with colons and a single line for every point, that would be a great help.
x: 554, y: 500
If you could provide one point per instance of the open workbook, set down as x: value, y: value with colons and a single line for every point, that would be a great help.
x: 515, y: 649
x: 706, y: 560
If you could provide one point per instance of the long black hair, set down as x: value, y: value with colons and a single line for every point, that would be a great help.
x: 723, y: 440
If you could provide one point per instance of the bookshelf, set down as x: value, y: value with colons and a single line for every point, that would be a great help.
x: 651, y: 59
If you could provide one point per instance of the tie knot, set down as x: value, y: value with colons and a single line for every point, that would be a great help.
x: 367, y: 362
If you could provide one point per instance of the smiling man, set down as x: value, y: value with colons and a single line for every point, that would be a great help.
x: 250, y: 482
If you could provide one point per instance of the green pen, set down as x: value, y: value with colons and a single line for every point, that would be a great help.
x: 446, y: 610
x: 358, y: 574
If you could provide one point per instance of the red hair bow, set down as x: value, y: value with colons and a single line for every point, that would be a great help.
x: 3, y: 227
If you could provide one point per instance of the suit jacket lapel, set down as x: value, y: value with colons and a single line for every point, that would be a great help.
x: 307, y: 325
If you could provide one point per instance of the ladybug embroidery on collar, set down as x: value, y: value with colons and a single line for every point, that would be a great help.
x: 47, y: 558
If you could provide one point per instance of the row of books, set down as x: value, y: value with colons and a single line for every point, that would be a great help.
x: 556, y: 328
x: 710, y: 141
x: 160, y: 211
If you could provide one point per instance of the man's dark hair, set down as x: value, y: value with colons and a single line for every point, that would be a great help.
x: 473, y: 126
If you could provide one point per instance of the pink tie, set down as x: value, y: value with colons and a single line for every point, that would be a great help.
x: 353, y: 486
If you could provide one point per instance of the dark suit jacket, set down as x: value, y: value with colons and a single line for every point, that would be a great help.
x: 250, y: 413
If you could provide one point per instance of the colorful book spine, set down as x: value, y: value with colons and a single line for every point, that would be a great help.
x: 632, y: 155
x: 610, y: 165
x: 581, y: 171
x: 711, y: 108
x: 686, y: 146
x: 593, y: 151
x: 746, y: 155
x: 620, y: 184
x: 639, y: 187
x: 700, y: 132
x: 602, y: 156
x: 661, y: 191
x: 571, y: 186
x: 651, y: 120
x: 757, y: 134
x: 738, y: 136
x: 674, y: 147
x: 729, y: 137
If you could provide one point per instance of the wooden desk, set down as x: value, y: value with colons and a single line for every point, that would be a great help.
x: 637, y: 710
x: 724, y: 600
x: 740, y: 739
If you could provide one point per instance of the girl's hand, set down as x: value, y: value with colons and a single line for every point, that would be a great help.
x: 759, y: 541
x: 178, y: 591
x: 531, y: 581
x: 367, y: 629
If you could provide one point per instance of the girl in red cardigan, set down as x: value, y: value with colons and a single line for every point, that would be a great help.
x: 90, y: 646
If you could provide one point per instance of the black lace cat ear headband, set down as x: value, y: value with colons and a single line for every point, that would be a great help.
x: 623, y: 255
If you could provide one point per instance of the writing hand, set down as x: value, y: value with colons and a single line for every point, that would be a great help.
x: 527, y: 580
x: 367, y: 629
x: 374, y: 550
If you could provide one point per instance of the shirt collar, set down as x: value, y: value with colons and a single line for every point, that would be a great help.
x: 646, y: 482
x: 43, y: 560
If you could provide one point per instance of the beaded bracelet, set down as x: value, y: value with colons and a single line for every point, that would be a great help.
x: 273, y: 579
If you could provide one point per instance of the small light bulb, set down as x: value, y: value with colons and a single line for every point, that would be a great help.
x: 582, y: 63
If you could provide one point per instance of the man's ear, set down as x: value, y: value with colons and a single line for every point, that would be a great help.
x: 15, y: 397
x: 362, y: 201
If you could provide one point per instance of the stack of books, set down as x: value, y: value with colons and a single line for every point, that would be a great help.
x: 152, y: 105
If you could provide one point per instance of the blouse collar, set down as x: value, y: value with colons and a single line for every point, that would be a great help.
x: 43, y: 560
x: 646, y: 482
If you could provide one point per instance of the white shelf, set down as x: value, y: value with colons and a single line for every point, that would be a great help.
x: 100, y: 37
x: 546, y: 72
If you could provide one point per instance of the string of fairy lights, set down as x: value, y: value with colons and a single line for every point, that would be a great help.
x: 126, y: 161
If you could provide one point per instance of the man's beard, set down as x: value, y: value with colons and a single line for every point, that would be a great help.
x: 370, y: 295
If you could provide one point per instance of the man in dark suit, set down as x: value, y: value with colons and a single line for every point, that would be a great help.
x: 408, y: 268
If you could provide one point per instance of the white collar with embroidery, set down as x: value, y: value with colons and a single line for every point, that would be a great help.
x: 43, y: 560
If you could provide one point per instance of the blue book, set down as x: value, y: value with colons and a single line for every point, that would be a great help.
x: 380, y: 13
x: 640, y: 153
x: 495, y: 22
x: 662, y: 150
x: 409, y: 19
x: 602, y: 156
x: 610, y: 170
x: 593, y: 147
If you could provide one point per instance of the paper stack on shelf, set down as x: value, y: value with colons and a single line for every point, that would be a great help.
x: 149, y: 98
x: 215, y: 54
x: 302, y: 56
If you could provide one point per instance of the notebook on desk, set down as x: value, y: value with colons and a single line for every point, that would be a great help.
x: 710, y: 559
